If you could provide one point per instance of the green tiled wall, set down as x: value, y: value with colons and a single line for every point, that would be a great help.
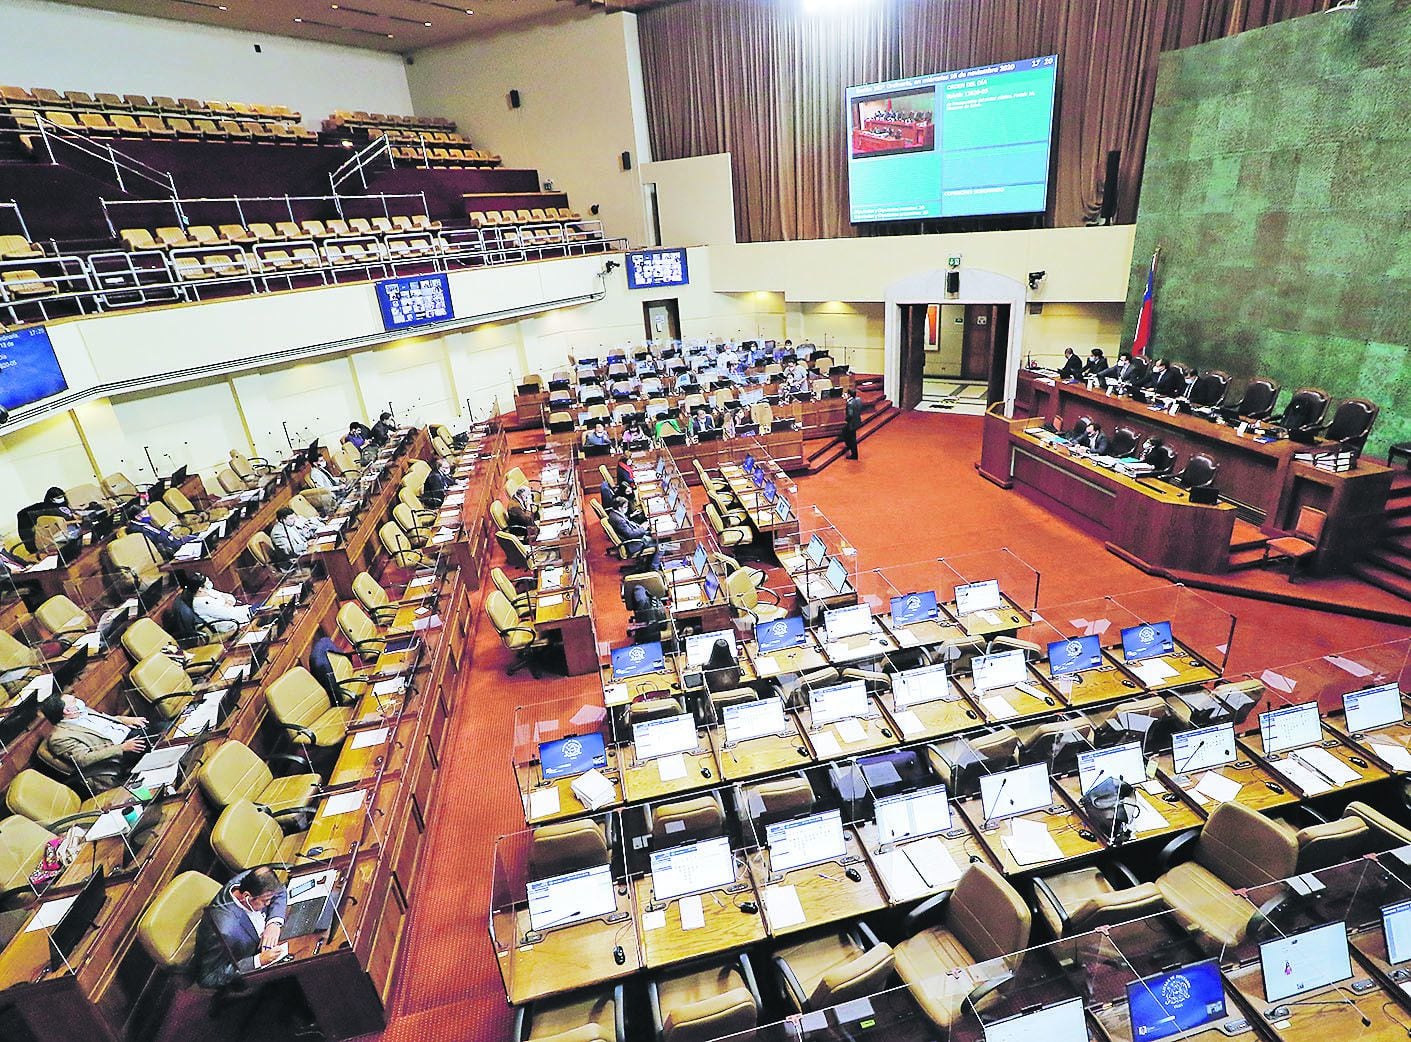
x: 1278, y: 186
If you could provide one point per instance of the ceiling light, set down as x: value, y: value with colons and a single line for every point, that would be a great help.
x: 469, y: 11
x: 333, y: 6
x: 389, y: 36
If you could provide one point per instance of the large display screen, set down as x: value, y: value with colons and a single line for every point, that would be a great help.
x: 648, y: 269
x: 415, y: 301
x: 29, y: 370
x: 973, y: 142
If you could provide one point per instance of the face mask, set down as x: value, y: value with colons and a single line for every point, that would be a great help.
x: 60, y: 501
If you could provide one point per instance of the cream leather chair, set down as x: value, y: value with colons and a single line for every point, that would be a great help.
x: 744, y: 599
x: 396, y: 544
x: 167, y: 927
x: 524, y: 640
x: 729, y: 531
x: 234, y: 772
x: 706, y: 1002
x: 687, y: 820
x: 836, y: 967
x: 135, y: 561
x: 145, y: 638
x: 119, y: 487
x: 163, y: 517
x: 245, y: 836
x: 303, y: 708
x: 984, y: 919
x: 592, y: 1016
x: 19, y: 664
x: 21, y: 849
x: 189, y: 512
x: 163, y: 684
x: 60, y: 619
x: 567, y: 846
x: 54, y: 805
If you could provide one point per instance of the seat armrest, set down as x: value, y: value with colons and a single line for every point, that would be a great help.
x: 791, y: 986
x: 294, y: 761
x: 1176, y: 850
x: 1126, y: 875
x: 301, y: 817
x: 654, y: 998
x: 1379, y: 821
x: 747, y: 971
x: 927, y: 912
x: 297, y: 729
x: 867, y: 935
x: 1042, y: 889
x: 58, y: 827
x: 984, y: 990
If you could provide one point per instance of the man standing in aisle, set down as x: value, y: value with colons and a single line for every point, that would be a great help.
x: 852, y: 420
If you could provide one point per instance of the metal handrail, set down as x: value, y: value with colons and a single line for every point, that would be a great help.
x: 19, y: 216
x: 359, y: 162
x: 103, y: 151
x: 179, y: 204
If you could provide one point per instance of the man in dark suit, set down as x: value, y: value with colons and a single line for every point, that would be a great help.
x: 1094, y: 440
x: 1096, y: 363
x: 1118, y: 373
x: 1072, y: 365
x: 852, y: 420
x: 1172, y: 381
x: 239, y: 931
x: 635, y: 536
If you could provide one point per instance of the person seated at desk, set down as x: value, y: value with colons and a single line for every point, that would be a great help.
x: 621, y: 496
x: 635, y: 536
x: 797, y: 378
x: 633, y: 437
x: 101, y: 748
x: 1093, y: 440
x: 383, y: 428
x: 438, y: 481
x: 1117, y: 374
x: 597, y: 435
x: 668, y: 424
x: 702, y: 421
x: 321, y: 488
x: 1096, y: 363
x: 728, y: 358
x: 55, y: 504
x: 219, y: 612
x: 1159, y: 456
x: 783, y: 351
x: 360, y: 437
x: 291, y: 533
x: 521, y: 520
x: 239, y: 930
x: 685, y: 380
x: 1165, y: 380
x: 1072, y: 365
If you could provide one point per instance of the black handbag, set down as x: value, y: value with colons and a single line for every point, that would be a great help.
x: 1104, y: 807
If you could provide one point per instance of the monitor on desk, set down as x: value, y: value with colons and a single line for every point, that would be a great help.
x: 637, y: 660
x: 692, y: 868
x: 757, y: 476
x: 1019, y: 790
x: 847, y: 622
x: 1149, y: 640
x: 758, y: 719
x: 571, y: 898
x: 910, y: 815
x: 913, y: 687
x: 816, y: 550
x: 78, y: 917
x: 700, y: 645
x: 1372, y: 707
x: 836, y: 575
x: 576, y: 754
x: 785, y: 511
x: 664, y: 736
x: 1304, y: 962
x: 1002, y: 669
x: 1060, y: 1022
x: 836, y: 702
x: 805, y: 841
x: 1122, y: 762
x: 1074, y: 655
x: 1169, y: 1003
x: 780, y: 635
x: 748, y: 462
x: 1396, y: 924
x: 1203, y: 748
x: 712, y: 587
x: 980, y: 596
x: 912, y: 608
x: 771, y: 491
x: 1291, y: 727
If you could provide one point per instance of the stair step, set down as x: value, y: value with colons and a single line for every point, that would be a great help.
x: 1246, y: 558
x: 1246, y: 537
x: 1391, y: 559
x: 1383, y: 578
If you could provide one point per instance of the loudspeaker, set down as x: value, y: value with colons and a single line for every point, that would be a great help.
x: 1109, y: 185
x: 952, y: 282
x: 627, y: 160
x: 514, y: 99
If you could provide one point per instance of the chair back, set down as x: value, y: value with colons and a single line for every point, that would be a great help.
x: 503, y: 584
x: 355, y: 625
x: 1310, y: 523
x: 567, y: 846
x: 685, y: 821
x: 502, y: 614
x: 302, y: 507
x: 145, y: 638
x: 261, y: 548
x: 1334, y: 842
x: 135, y: 558
x: 987, y: 916
x: 1259, y: 397
x: 1305, y: 409
x: 370, y: 593
x: 167, y: 927
x: 118, y: 486
x: 1123, y: 442
x: 417, y: 469
x: 866, y: 973
x: 229, y: 481
x: 500, y: 515
x: 297, y: 698
x: 1199, y: 471
x: 780, y: 798
x: 245, y: 836
x: 242, y: 469
x: 60, y: 615
x: 178, y: 501
x: 405, y: 520
x: 1351, y: 423
x: 1112, y: 908
x: 713, y: 1017
x: 649, y: 709
x: 39, y: 797
x: 162, y: 515
x: 21, y: 847
x: 517, y: 554
x: 15, y: 655
x: 81, y: 497
x: 233, y: 772
x: 1209, y: 389
x: 1243, y: 848
x: 157, y: 678
x: 741, y: 591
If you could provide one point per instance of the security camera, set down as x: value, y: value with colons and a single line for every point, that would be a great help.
x: 1035, y: 277
x: 610, y: 266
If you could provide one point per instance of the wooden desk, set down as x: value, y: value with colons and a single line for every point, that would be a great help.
x: 900, y: 885
x: 1337, y: 747
x: 1005, y: 621
x: 726, y: 928
x: 643, y: 781
x: 927, y: 634
x: 758, y: 756
x: 877, y: 734
x: 1114, y: 1024
x: 861, y: 647
x: 803, y: 659
x: 1063, y: 827
x: 1254, y: 780
x: 1175, y: 811
x: 1092, y: 687
x: 1021, y: 704
x: 665, y: 684
x: 567, y: 957
x: 1338, y: 1019
x: 566, y: 618
x: 825, y: 893
x: 530, y: 780
x: 1190, y: 668
x: 937, y: 719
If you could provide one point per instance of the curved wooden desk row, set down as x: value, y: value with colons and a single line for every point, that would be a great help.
x: 392, y: 752
x: 1261, y: 477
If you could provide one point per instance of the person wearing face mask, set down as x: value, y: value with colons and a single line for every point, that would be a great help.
x: 55, y: 504
x: 101, y: 747
x: 240, y: 929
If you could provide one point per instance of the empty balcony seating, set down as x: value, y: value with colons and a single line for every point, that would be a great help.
x: 42, y: 98
x: 443, y: 157
x: 342, y: 119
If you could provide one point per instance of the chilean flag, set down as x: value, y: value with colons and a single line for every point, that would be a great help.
x: 1142, y: 339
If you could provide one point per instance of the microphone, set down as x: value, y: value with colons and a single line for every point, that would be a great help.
x: 989, y: 824
x: 1198, y: 746
x: 1280, y: 1012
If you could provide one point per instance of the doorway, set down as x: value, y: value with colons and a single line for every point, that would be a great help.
x: 662, y: 318
x: 953, y: 356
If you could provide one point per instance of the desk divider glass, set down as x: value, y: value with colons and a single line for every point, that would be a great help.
x: 565, y: 761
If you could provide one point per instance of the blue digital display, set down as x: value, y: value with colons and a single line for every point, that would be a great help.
x: 780, y: 634
x: 1180, y: 1000
x: 637, y: 660
x: 1066, y: 657
x: 648, y: 269
x: 569, y: 756
x: 416, y: 300
x: 29, y: 370
x: 915, y: 607
x: 1149, y: 640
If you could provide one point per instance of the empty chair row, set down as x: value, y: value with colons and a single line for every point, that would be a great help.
x: 233, y: 262
x: 491, y: 218
x: 445, y: 156
x: 429, y: 137
x: 17, y: 247
x: 172, y: 128
x: 174, y: 237
x: 43, y: 97
x: 359, y: 118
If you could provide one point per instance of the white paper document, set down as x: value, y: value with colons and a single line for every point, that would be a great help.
x: 825, y: 745
x: 901, y: 877
x: 1396, y: 755
x: 781, y: 904
x: 909, y: 723
x: 653, y: 920
x: 998, y: 707
x: 1214, y: 787
x: 543, y: 803
x: 851, y: 730
x: 384, y: 688
x: 934, y: 862
x: 1154, y: 671
x: 1029, y: 842
x: 1145, y: 817
x: 1320, y: 761
x: 343, y: 803
x: 109, y: 823
x: 1308, y: 783
x: 671, y: 768
x: 363, y: 739
x: 692, y: 912
x: 50, y: 912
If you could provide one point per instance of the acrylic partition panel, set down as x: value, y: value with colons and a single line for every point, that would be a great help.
x: 1198, y: 624
x: 1018, y: 581
x: 563, y: 757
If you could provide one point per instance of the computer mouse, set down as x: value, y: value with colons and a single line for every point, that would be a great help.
x: 1274, y: 786
x: 974, y: 859
x: 705, y: 772
x: 749, y: 907
x: 1358, y: 761
x: 618, y: 955
x: 800, y: 750
x: 887, y: 734
x: 1168, y: 797
x: 1128, y: 683
x: 313, y: 852
x: 1086, y: 834
x: 1049, y: 699
x: 853, y: 874
x: 971, y: 714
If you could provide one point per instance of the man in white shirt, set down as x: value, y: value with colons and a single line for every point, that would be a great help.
x: 100, y: 747
x: 292, y: 533
x: 220, y: 611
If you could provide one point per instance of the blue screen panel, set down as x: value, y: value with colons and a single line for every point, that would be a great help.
x: 914, y: 607
x: 649, y: 269
x: 1177, y: 1001
x: 29, y: 369
x: 569, y: 756
x: 1074, y: 655
x: 1149, y: 640
x: 416, y: 300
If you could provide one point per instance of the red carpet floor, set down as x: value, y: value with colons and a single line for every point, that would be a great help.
x: 914, y: 496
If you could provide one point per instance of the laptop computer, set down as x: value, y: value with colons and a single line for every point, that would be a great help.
x: 313, y: 899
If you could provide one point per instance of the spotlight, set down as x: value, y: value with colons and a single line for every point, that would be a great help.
x: 1035, y: 277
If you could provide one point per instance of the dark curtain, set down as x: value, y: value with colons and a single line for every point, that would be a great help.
x: 764, y: 81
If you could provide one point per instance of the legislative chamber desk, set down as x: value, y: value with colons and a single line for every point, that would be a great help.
x: 784, y: 447
x: 1149, y: 523
x: 1261, y: 477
